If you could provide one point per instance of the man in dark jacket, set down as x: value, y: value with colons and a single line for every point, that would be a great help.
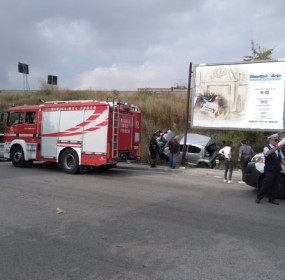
x: 272, y: 168
x: 173, y: 151
x: 153, y: 150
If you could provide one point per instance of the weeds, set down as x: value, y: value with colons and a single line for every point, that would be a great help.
x: 159, y: 112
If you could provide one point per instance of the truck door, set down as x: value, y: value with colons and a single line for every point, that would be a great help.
x: 30, y: 127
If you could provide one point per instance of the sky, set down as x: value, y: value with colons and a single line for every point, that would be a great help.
x: 130, y: 44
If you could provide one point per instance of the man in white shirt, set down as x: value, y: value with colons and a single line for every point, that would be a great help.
x: 226, y: 151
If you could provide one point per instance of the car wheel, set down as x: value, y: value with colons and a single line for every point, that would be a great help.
x: 202, y: 165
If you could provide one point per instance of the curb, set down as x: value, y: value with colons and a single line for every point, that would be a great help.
x: 219, y: 173
x: 138, y: 166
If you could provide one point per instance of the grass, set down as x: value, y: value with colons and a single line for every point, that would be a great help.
x: 159, y: 112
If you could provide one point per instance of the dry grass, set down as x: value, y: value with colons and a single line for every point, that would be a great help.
x: 159, y: 112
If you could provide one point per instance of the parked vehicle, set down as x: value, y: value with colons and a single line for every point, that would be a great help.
x: 201, y: 150
x: 255, y: 174
x: 72, y: 133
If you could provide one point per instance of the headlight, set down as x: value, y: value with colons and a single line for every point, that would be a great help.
x: 259, y: 158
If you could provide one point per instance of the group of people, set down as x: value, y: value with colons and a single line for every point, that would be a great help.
x: 272, y: 154
x: 155, y: 146
x: 273, y: 160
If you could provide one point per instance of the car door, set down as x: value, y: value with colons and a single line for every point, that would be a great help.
x: 193, y: 153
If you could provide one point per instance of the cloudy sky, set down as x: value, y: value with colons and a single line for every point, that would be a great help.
x: 129, y: 44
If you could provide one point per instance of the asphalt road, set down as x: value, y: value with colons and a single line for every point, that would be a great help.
x: 136, y: 223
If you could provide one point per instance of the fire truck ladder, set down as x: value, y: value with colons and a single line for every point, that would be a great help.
x: 115, y: 103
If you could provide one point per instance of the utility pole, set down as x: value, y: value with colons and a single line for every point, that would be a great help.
x: 183, y: 160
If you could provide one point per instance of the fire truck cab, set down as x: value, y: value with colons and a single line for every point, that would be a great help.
x: 72, y: 133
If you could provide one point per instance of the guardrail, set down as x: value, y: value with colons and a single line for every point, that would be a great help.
x: 150, y: 90
x: 106, y: 91
x: 14, y: 90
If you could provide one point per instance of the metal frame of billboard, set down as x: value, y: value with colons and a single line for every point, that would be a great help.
x: 239, y: 96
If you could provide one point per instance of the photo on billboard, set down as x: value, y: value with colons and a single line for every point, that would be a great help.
x: 244, y: 95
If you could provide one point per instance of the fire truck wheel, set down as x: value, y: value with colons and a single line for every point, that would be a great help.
x: 69, y: 161
x: 17, y: 157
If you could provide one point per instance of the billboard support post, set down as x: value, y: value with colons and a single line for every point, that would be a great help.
x: 183, y: 159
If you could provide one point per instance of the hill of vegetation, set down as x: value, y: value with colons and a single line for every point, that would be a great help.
x: 159, y: 112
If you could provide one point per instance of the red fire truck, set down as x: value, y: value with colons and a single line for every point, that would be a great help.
x: 75, y: 134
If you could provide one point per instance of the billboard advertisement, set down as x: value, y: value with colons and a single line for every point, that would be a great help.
x: 245, y: 96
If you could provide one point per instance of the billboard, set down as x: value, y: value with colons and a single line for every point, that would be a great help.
x: 52, y: 80
x: 244, y: 95
x: 23, y: 68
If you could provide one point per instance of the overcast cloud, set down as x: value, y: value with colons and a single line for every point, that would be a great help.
x: 129, y: 44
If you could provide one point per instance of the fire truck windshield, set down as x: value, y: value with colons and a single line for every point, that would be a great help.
x: 15, y: 118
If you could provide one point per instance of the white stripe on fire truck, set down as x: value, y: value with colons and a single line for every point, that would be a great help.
x: 77, y: 130
x: 69, y: 145
x: 21, y: 135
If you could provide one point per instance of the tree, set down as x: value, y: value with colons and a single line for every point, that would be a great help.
x: 258, y: 53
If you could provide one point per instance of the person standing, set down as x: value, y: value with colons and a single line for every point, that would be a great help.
x: 173, y: 151
x: 153, y: 150
x: 244, y: 157
x: 226, y: 151
x: 161, y: 145
x: 273, y: 159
